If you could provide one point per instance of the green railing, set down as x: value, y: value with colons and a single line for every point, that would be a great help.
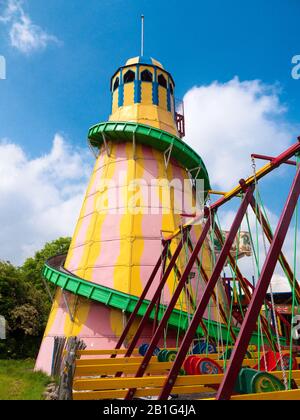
x: 119, y: 300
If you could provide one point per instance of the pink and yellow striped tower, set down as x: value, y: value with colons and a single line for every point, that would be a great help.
x: 118, y: 236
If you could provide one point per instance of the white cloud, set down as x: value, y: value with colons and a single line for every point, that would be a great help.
x: 40, y: 198
x: 227, y: 122
x: 24, y: 34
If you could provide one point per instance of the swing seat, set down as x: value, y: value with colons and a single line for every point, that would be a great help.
x: 143, y: 350
x: 204, y: 348
x: 188, y: 364
x: 170, y: 356
x: 271, y: 362
x: 227, y: 354
x: 206, y: 366
x: 251, y: 381
x: 161, y: 357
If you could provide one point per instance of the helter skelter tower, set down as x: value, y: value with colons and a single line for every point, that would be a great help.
x: 117, y: 241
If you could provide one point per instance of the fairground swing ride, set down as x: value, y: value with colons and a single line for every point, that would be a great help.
x: 146, y: 291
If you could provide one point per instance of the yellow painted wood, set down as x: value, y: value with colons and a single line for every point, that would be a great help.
x: 270, y: 396
x: 116, y: 361
x: 149, y: 392
x: 95, y: 370
x: 148, y: 381
x: 158, y: 381
x: 213, y: 192
x: 99, y: 364
x: 103, y: 352
x: 138, y: 360
x: 136, y: 351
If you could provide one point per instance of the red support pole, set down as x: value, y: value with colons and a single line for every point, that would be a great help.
x: 133, y: 316
x: 227, y: 386
x: 209, y: 289
x: 171, y: 305
x: 271, y: 158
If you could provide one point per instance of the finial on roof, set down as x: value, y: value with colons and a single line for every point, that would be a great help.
x: 142, y: 43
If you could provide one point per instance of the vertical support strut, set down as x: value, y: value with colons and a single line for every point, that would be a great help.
x: 142, y: 297
x: 173, y: 301
x: 230, y: 377
x: 209, y: 289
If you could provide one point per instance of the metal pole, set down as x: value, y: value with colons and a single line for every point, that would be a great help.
x: 249, y: 324
x: 189, y: 336
x: 141, y: 299
x: 143, y: 36
x: 271, y: 158
x: 171, y: 305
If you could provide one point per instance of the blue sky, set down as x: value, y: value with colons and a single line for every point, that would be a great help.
x: 57, y: 84
x: 66, y: 88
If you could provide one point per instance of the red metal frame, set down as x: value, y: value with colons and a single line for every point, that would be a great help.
x: 189, y: 336
x: 271, y: 159
x: 173, y: 301
x: 248, y: 188
x: 227, y: 386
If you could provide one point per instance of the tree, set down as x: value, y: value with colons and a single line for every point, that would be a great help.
x: 32, y: 268
x: 24, y: 302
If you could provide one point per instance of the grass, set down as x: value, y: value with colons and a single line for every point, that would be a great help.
x: 18, y: 381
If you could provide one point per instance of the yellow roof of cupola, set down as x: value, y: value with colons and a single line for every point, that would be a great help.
x: 144, y: 60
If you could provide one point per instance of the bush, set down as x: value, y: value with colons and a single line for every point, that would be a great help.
x: 24, y: 302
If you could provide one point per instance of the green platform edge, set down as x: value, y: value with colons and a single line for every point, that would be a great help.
x: 127, y: 303
x: 153, y: 137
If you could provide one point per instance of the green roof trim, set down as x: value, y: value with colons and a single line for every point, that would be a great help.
x: 155, y: 138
